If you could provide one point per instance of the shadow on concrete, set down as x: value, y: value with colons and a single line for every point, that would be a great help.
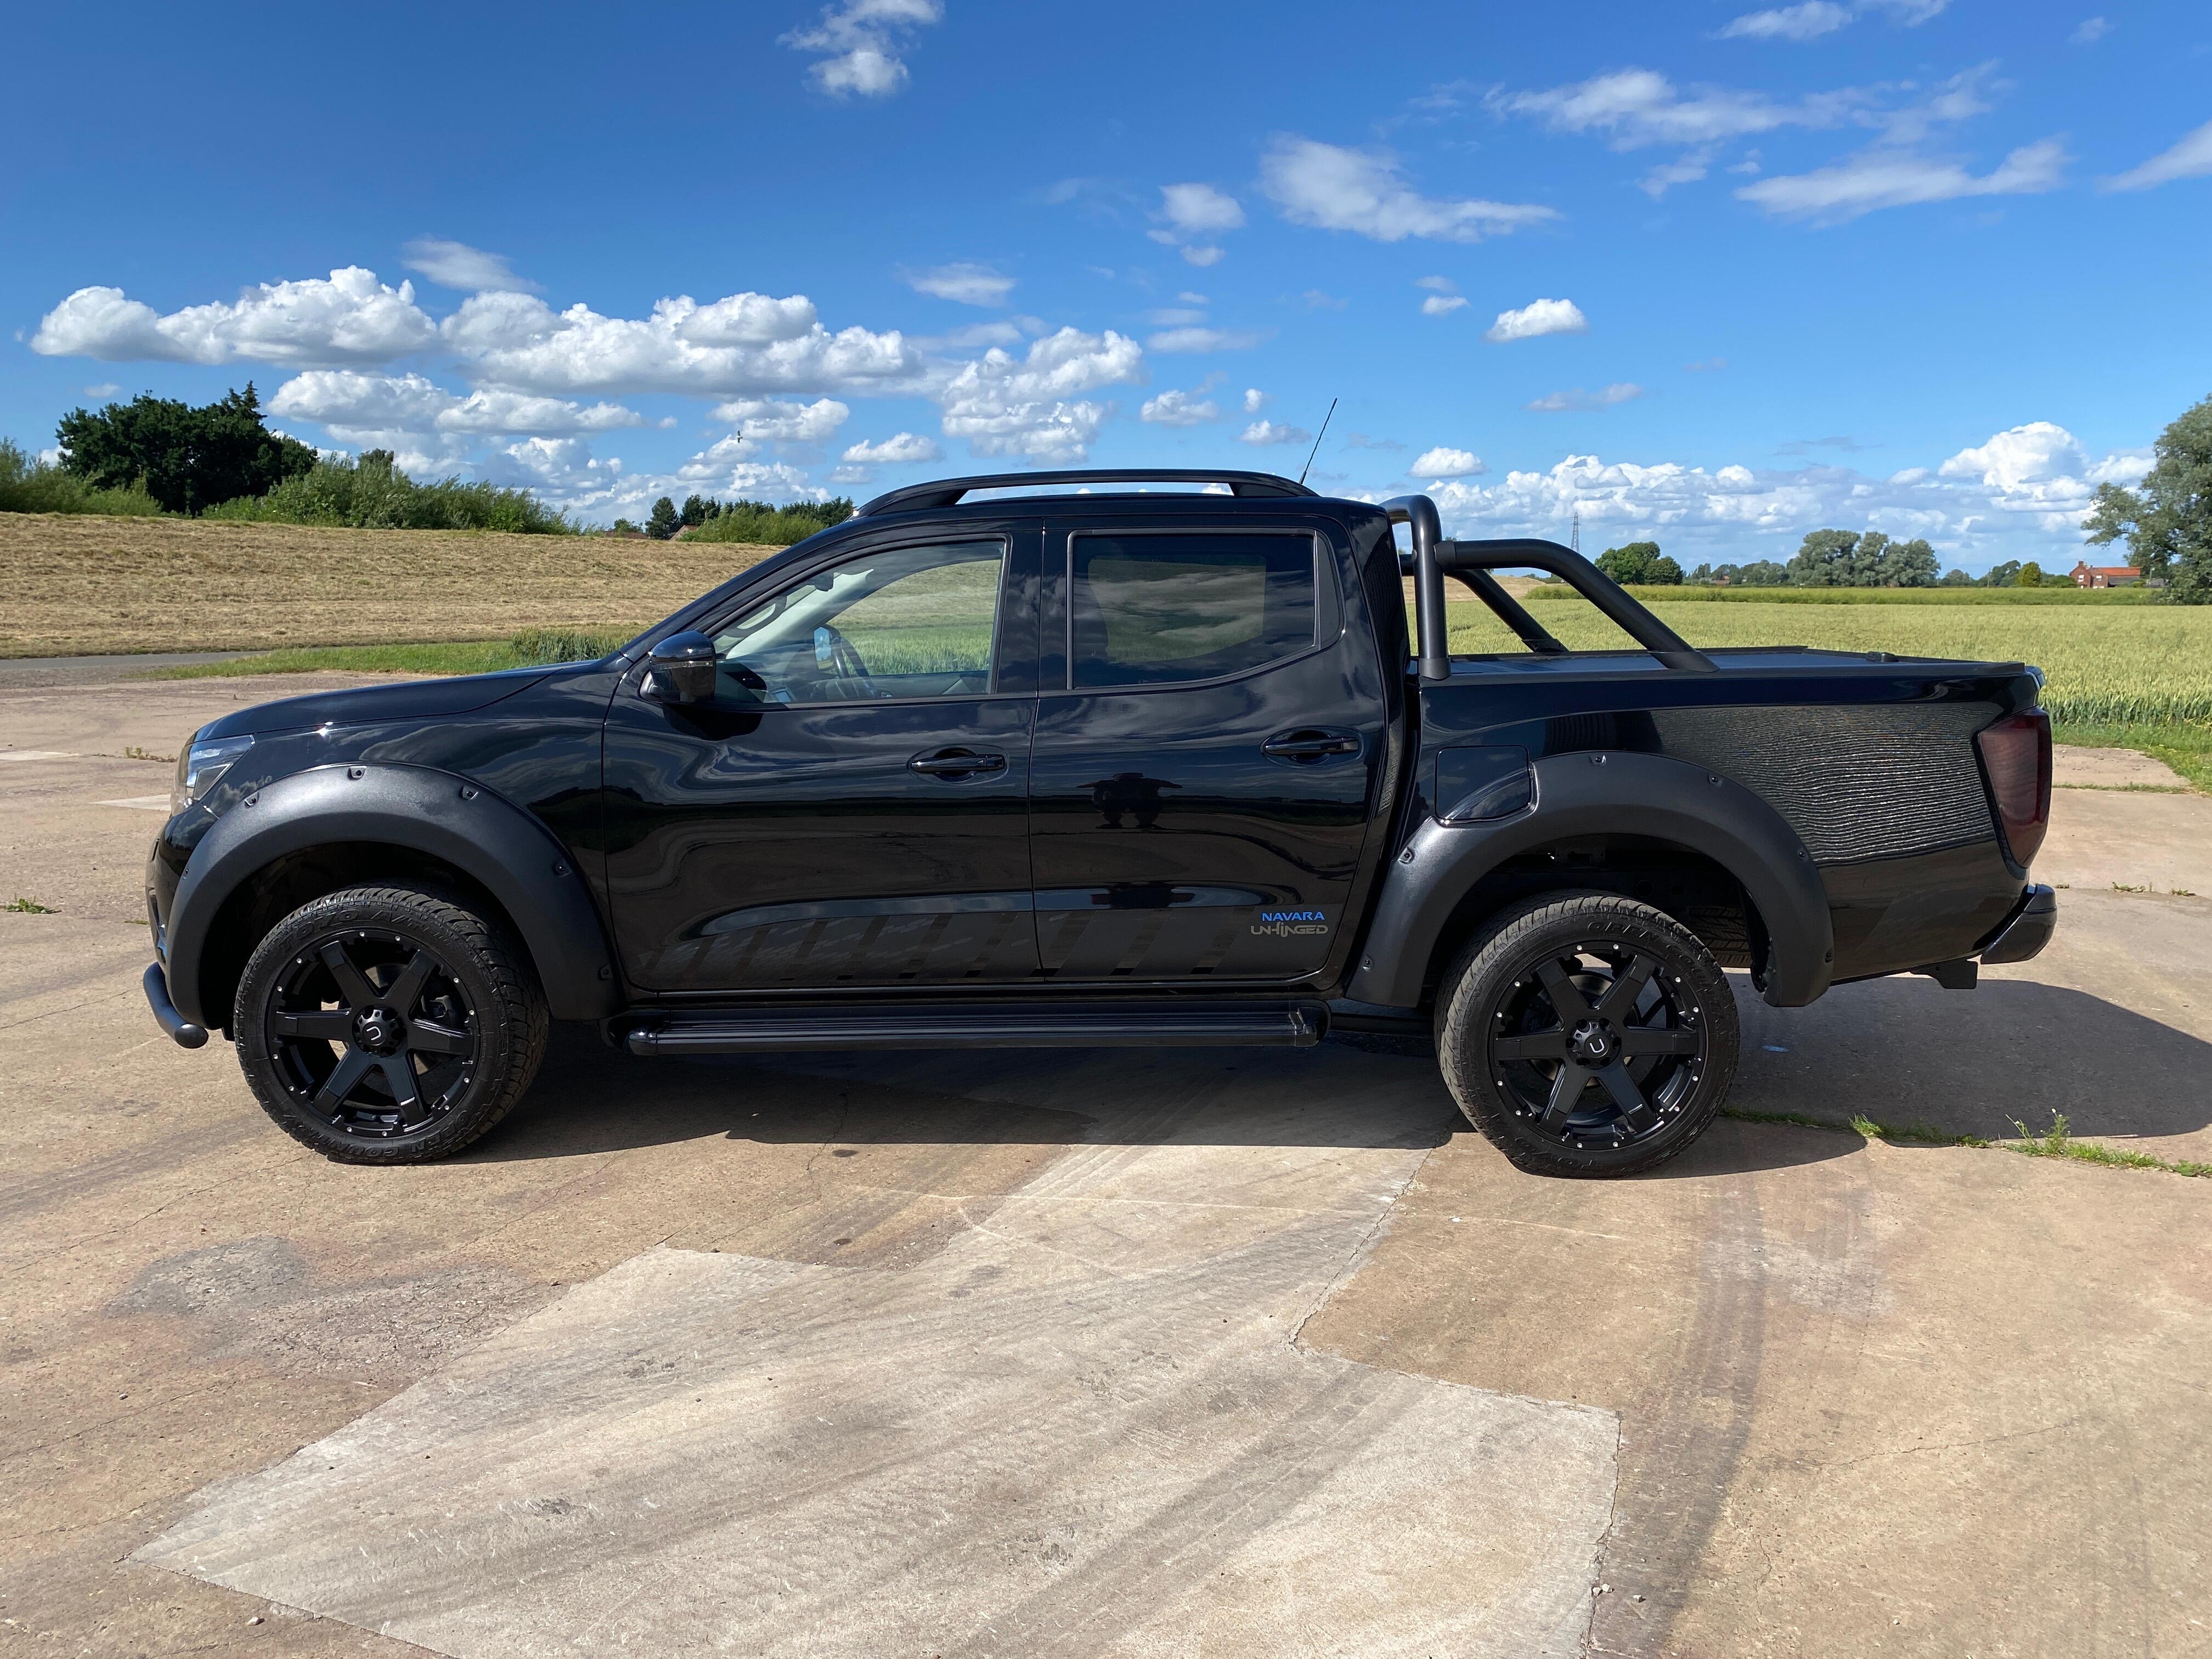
x: 1905, y: 1052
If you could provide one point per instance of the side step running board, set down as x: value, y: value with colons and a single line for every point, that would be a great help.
x: 1294, y: 1024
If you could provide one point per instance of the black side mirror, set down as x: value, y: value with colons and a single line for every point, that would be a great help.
x: 681, y: 670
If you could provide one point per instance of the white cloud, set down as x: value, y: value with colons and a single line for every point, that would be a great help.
x: 350, y: 319
x: 1536, y: 318
x: 104, y: 389
x: 900, y: 449
x: 1683, y: 170
x: 1886, y: 177
x: 973, y: 334
x: 456, y: 265
x: 1032, y: 407
x: 1256, y: 400
x: 1334, y: 188
x: 2093, y: 29
x: 775, y: 420
x: 969, y: 284
x: 1179, y: 409
x: 1639, y: 107
x: 353, y: 405
x: 1809, y: 21
x: 1199, y: 211
x: 1442, y: 305
x: 1445, y: 463
x: 1262, y: 432
x: 1604, y: 398
x: 1200, y: 340
x: 1202, y: 257
x: 862, y: 40
x: 1436, y: 284
x: 743, y: 345
x: 2189, y: 159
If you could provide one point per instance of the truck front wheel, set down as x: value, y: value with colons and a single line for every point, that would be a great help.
x: 1587, y: 1034
x: 388, y: 1024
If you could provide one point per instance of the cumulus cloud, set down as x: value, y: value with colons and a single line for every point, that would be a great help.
x: 1199, y: 211
x: 1263, y: 432
x: 969, y: 285
x: 1604, y: 398
x: 1334, y: 188
x: 1446, y: 462
x: 1809, y: 21
x: 776, y: 420
x: 2189, y: 159
x: 1886, y: 177
x: 1442, y: 305
x: 350, y: 404
x: 861, y: 40
x: 351, y: 317
x: 900, y: 449
x: 1536, y: 318
x: 1256, y: 400
x: 1034, y: 406
x: 1179, y: 409
x: 456, y: 265
x: 745, y: 344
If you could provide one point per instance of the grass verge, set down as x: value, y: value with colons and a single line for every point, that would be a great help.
x: 531, y: 647
x: 2186, y: 745
x: 2057, y: 1141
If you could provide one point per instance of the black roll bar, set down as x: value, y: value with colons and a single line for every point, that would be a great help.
x: 1472, y: 562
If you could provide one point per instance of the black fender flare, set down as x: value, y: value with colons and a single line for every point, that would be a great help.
x: 1611, y: 791
x: 510, y: 853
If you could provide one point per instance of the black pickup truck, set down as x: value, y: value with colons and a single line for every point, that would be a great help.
x: 991, y: 764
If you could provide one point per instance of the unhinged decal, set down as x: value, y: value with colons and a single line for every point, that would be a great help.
x: 1281, y: 924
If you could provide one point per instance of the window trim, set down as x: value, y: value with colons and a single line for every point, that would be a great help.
x: 1328, y: 603
x: 1010, y: 576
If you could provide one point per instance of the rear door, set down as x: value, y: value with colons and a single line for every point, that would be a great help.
x: 1206, y: 756
x: 851, y: 809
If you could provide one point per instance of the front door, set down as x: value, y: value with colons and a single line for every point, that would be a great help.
x: 1201, y: 783
x: 850, y: 809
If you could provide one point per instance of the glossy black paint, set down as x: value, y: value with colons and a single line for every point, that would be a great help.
x: 772, y: 854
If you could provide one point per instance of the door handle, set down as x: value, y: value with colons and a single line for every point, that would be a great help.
x: 1310, y: 744
x: 956, y: 763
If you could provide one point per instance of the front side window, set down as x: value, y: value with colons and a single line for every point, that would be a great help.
x: 907, y: 622
x: 1158, y: 610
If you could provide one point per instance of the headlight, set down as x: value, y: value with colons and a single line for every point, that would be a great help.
x: 203, y: 760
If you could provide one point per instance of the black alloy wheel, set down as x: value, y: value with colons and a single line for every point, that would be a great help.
x: 1587, y: 1034
x: 372, y: 1033
x: 388, y: 1024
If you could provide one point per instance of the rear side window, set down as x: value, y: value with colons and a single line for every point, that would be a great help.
x: 1157, y: 610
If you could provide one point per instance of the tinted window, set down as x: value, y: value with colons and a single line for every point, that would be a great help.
x: 1155, y: 609
x: 908, y: 622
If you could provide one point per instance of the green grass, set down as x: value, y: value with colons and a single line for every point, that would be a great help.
x: 2186, y: 745
x: 2057, y: 1141
x: 372, y: 494
x: 28, y: 484
x: 27, y: 908
x: 2067, y: 594
x: 529, y: 648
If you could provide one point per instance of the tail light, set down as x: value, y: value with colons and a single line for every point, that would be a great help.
x: 2016, y: 760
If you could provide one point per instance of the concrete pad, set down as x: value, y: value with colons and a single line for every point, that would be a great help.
x: 1874, y: 1399
x: 2075, y: 765
x: 2101, y: 838
x: 1082, y: 1427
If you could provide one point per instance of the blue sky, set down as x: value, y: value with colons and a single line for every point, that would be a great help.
x: 1712, y: 275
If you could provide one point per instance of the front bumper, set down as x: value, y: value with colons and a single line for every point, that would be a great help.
x: 180, y: 1029
x: 2024, y: 932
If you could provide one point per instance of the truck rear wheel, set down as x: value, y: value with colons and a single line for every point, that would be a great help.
x: 387, y: 1025
x: 1587, y: 1034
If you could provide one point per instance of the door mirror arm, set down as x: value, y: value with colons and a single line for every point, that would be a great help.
x: 680, y: 671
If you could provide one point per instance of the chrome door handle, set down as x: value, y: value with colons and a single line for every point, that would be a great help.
x: 1310, y: 744
x: 956, y: 763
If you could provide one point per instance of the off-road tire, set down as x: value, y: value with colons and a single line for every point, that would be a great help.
x: 488, y: 975
x: 1690, y: 1001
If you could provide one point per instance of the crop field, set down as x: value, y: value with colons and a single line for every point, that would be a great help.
x: 75, y: 584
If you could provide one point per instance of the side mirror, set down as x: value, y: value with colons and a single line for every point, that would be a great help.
x: 681, y: 670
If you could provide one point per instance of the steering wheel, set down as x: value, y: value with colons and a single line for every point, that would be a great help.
x: 835, y: 655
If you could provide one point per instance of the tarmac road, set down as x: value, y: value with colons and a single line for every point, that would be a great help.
x: 1236, y: 1353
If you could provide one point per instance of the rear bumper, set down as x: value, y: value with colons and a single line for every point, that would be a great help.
x: 181, y: 1030
x: 2024, y: 932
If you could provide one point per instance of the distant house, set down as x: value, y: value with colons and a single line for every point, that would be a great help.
x: 2106, y: 575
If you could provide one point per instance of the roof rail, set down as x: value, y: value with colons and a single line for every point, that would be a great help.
x: 948, y: 492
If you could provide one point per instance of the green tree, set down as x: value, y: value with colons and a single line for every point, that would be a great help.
x: 190, y: 459
x: 1843, y: 558
x: 698, y: 509
x: 1640, y: 562
x: 664, y: 523
x: 2000, y: 575
x: 2031, y: 576
x: 1956, y: 578
x: 2166, y: 519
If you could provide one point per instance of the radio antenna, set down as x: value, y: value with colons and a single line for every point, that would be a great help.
x: 1318, y: 436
